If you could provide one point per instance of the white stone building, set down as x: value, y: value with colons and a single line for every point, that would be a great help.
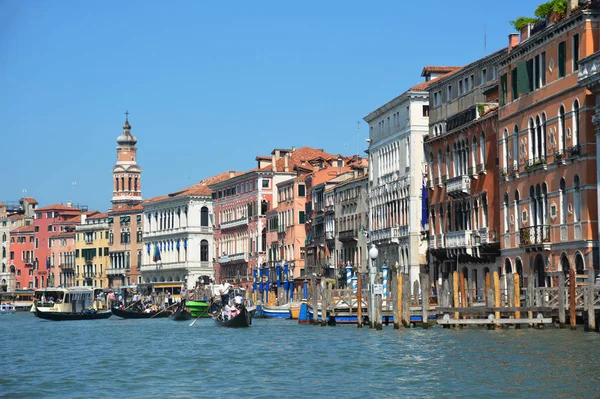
x: 396, y: 170
x: 178, y: 229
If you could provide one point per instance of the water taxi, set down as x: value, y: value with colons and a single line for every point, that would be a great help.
x: 65, y: 300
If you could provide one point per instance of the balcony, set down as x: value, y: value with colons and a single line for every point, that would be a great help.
x: 480, y: 169
x: 513, y: 169
x: 432, y: 242
x: 484, y: 236
x: 329, y: 235
x: 459, y: 239
x: 29, y: 262
x: 574, y: 151
x: 440, y: 240
x: 459, y: 186
x: 348, y: 235
x: 589, y: 71
x: 535, y: 163
x: 66, y: 267
x: 235, y: 258
x: 535, y: 237
x: 88, y: 261
x: 234, y: 223
x: 117, y: 271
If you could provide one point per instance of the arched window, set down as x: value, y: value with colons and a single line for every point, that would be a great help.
x: 530, y: 141
x: 505, y: 148
x: 484, y: 210
x: 543, y: 136
x: 204, y: 217
x: 516, y: 213
x: 431, y: 171
x: 507, y: 266
x: 433, y: 226
x: 455, y: 166
x: 544, y: 203
x: 482, y: 148
x: 562, y: 140
x: 575, y: 133
x: 563, y: 201
x: 122, y: 184
x: 135, y: 184
x: 129, y: 184
x: 538, y: 139
x: 474, y: 153
x: 447, y: 161
x: 515, y: 146
x: 532, y: 207
x: 442, y: 226
x: 116, y: 184
x: 576, y: 200
x: 506, y: 213
x: 204, y: 251
x: 579, y: 264
x: 439, y: 165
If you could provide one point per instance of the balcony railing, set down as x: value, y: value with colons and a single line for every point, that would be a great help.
x: 513, y: 169
x: 29, y: 263
x: 114, y: 271
x: 480, y: 168
x: 534, y: 235
x: 458, y: 186
x: 459, y: 239
x: 241, y: 257
x: 234, y: 223
x: 440, y: 240
x: 348, y: 235
x: 574, y: 151
x: 535, y: 163
x: 484, y: 235
x: 432, y: 242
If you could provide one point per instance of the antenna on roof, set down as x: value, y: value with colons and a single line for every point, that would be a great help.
x: 357, y: 136
x: 484, y: 41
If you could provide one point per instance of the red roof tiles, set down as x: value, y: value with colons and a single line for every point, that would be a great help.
x: 30, y: 200
x: 57, y: 207
x: 24, y: 229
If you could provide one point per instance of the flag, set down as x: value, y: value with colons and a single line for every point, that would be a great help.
x: 156, y: 256
x: 48, y: 262
x: 424, y: 205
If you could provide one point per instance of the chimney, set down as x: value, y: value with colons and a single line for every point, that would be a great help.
x: 231, y: 173
x: 293, y: 148
x: 286, y: 167
x: 83, y: 218
x: 69, y: 204
x: 273, y: 163
x: 513, y: 39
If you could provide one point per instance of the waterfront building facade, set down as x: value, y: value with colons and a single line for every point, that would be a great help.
x: 351, y: 212
x: 49, y: 221
x: 549, y: 208
x: 396, y: 175
x: 125, y: 218
x: 22, y: 258
x: 178, y: 236
x: 62, y: 258
x: 12, y: 216
x: 461, y: 151
x: 91, y: 250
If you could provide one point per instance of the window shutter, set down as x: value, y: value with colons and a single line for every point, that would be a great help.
x: 523, y: 77
x: 562, y: 59
x: 514, y: 84
x: 301, y: 217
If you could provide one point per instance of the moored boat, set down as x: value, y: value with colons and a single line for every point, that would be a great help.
x: 134, y: 314
x: 64, y: 316
x: 279, y: 312
x: 7, y: 308
x: 182, y: 315
x: 242, y: 319
x: 198, y: 308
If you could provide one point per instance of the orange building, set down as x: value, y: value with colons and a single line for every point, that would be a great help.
x: 548, y: 210
x: 463, y: 176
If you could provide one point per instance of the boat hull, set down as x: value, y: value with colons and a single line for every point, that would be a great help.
x: 276, y: 312
x: 243, y: 319
x: 198, y: 308
x: 182, y: 315
x: 65, y: 316
x: 128, y: 314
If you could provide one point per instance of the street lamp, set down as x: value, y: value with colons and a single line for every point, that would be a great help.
x: 373, y: 253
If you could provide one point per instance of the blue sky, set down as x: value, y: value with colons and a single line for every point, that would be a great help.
x: 209, y: 85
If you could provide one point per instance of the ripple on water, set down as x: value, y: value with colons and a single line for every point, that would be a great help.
x: 162, y: 358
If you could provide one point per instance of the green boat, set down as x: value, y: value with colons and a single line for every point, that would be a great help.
x: 198, y: 308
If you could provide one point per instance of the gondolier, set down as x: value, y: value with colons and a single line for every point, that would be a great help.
x: 224, y: 292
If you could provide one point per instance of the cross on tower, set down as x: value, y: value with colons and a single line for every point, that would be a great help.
x: 126, y: 115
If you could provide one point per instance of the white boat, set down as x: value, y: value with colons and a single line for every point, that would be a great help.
x: 7, y: 308
x: 280, y: 312
x: 64, y: 300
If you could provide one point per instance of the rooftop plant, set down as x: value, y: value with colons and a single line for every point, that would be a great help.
x: 541, y: 12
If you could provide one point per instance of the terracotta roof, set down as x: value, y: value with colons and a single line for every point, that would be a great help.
x: 57, y: 207
x: 2, y: 204
x: 31, y: 200
x: 63, y: 234
x: 263, y: 157
x: 304, y: 154
x: 98, y: 215
x: 17, y: 216
x: 437, y: 69
x: 24, y: 229
x: 124, y: 211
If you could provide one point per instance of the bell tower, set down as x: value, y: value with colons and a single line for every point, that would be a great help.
x: 127, y: 175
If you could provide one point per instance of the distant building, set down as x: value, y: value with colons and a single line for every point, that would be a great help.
x: 178, y: 236
x: 396, y: 175
x: 91, y: 249
x: 125, y: 218
x: 461, y: 151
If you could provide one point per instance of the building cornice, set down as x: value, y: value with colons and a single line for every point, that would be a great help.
x: 406, y: 96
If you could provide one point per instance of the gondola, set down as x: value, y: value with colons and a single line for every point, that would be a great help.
x: 63, y: 316
x: 242, y: 319
x: 134, y: 314
x: 182, y: 315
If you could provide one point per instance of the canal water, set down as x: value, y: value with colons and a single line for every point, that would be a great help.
x: 161, y: 358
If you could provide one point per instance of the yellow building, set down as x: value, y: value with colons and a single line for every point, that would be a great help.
x: 91, y: 250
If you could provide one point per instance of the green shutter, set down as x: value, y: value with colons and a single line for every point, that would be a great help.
x: 562, y: 59
x: 301, y: 217
x: 138, y: 218
x: 513, y: 84
x: 503, y: 89
x: 110, y: 220
x: 576, y: 52
x: 77, y: 253
x: 524, y: 77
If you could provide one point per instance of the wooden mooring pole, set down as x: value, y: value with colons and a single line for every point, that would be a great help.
x: 324, y: 303
x: 590, y: 299
x: 517, y: 291
x: 572, y: 314
x: 398, y: 301
x: 406, y: 301
x: 359, y: 301
x: 313, y: 296
x: 425, y: 299
x: 561, y: 300
x: 456, y: 303
x: 496, y: 295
